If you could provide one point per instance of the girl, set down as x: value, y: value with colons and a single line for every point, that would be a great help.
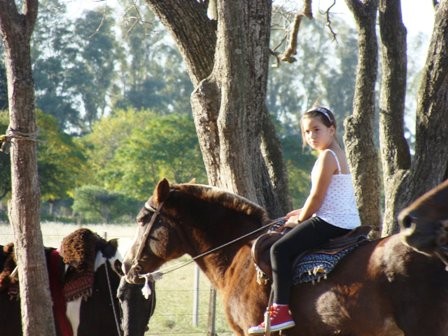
x: 329, y: 211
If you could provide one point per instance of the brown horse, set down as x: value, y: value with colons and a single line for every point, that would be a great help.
x: 384, y: 287
x: 424, y: 223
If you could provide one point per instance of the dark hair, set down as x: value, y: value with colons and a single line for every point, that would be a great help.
x: 323, y: 113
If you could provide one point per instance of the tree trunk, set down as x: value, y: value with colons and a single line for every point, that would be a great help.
x: 359, y: 127
x: 395, y: 152
x: 430, y: 161
x: 36, y: 305
x: 227, y: 62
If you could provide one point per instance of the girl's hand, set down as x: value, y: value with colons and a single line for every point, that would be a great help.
x: 293, y: 213
x: 292, y: 221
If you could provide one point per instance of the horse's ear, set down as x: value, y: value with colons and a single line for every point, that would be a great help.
x: 162, y: 190
x: 192, y: 181
x: 8, y: 248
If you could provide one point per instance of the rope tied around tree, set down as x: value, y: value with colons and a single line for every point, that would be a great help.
x: 5, y: 139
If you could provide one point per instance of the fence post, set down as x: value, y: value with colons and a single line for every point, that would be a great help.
x: 212, y: 313
x: 196, y: 296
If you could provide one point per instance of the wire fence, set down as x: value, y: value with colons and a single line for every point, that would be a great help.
x: 186, y: 302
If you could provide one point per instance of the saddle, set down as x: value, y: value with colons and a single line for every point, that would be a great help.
x: 311, y: 265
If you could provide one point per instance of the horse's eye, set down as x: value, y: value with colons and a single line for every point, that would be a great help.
x: 406, y: 221
x: 143, y: 217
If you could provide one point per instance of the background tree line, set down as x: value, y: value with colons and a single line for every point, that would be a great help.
x: 114, y: 112
x: 115, y: 115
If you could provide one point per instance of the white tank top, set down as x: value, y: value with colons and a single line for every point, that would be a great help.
x: 339, y: 205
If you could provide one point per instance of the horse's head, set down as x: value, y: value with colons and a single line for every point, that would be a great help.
x: 155, y: 236
x: 424, y: 223
x: 136, y: 310
x: 189, y: 219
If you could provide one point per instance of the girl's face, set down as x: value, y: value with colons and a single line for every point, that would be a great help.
x: 317, y: 135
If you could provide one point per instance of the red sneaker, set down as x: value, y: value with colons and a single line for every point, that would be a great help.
x: 280, y: 318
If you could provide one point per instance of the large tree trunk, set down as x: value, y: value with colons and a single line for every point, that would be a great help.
x: 430, y: 163
x: 359, y: 127
x: 228, y: 63
x: 395, y: 152
x: 36, y: 305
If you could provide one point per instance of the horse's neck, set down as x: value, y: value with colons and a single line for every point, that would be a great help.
x: 221, y: 265
x: 399, y: 258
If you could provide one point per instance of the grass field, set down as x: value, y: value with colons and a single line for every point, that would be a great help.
x: 176, y: 291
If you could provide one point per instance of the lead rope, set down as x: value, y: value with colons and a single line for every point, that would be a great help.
x: 109, y: 286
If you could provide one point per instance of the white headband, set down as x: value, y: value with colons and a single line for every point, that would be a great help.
x: 322, y: 110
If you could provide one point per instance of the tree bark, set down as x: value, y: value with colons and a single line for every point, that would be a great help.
x: 359, y: 127
x: 227, y: 61
x: 395, y: 154
x: 36, y: 306
x: 430, y: 161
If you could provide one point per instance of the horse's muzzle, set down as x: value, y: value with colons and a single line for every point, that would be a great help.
x: 132, y: 275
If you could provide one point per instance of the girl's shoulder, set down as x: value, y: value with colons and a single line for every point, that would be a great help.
x: 334, y: 160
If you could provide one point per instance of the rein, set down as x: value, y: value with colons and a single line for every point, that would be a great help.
x: 158, y: 274
x: 278, y: 220
x: 109, y: 286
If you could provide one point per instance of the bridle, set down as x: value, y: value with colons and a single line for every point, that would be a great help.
x: 156, y: 212
x: 157, y: 275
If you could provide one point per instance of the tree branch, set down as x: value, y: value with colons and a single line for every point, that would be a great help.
x: 287, y: 56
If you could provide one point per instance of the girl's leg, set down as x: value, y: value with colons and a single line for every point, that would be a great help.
x: 305, y: 236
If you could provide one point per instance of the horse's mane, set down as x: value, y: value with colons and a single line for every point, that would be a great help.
x: 224, y: 198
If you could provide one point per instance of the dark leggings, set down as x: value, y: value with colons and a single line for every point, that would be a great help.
x: 307, y: 235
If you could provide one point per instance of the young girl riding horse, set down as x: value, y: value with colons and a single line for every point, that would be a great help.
x: 329, y: 211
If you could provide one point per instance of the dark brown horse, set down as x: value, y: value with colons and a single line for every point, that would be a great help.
x: 424, y: 223
x: 382, y: 288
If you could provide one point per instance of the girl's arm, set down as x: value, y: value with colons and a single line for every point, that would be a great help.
x: 326, y: 166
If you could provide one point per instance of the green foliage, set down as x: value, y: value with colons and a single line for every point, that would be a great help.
x: 5, y: 167
x: 324, y: 71
x: 74, y: 63
x: 53, y: 54
x: 94, y: 204
x: 132, y: 150
x: 60, y: 161
x: 94, y: 67
x: 155, y: 78
x: 3, y: 85
x: 299, y: 163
